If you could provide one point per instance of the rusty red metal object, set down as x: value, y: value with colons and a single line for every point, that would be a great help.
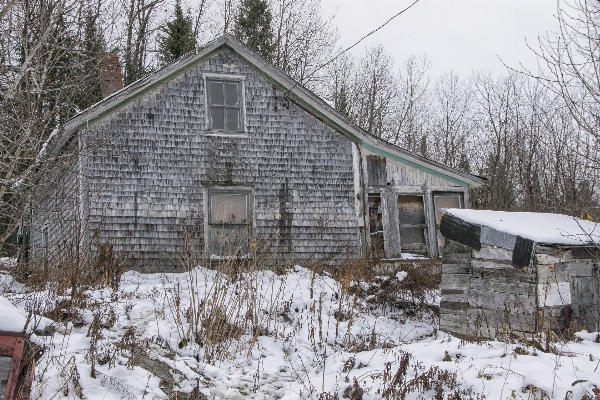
x: 23, y: 353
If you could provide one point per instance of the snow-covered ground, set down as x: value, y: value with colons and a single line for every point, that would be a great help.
x: 291, y: 336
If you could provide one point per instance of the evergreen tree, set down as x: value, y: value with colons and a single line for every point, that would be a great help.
x: 341, y: 101
x: 93, y: 50
x: 59, y: 89
x: 178, y: 38
x: 253, y: 26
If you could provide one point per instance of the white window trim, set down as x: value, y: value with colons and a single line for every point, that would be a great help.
x: 227, y: 77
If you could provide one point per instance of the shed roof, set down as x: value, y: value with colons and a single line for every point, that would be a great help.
x: 296, y: 92
x: 543, y: 228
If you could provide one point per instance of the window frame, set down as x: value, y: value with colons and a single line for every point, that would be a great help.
x: 439, y: 242
x: 444, y: 193
x: 240, y: 80
x: 213, y: 226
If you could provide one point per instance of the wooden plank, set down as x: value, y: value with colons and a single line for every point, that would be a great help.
x: 391, y: 229
x: 462, y: 268
x: 453, y: 321
x: 491, y: 264
x: 522, y: 252
x: 585, y: 301
x: 455, y: 295
x: 502, y: 274
x: 432, y: 245
x: 456, y: 229
x: 583, y: 252
x: 376, y: 170
x: 581, y: 268
x: 453, y: 305
x: 492, y: 253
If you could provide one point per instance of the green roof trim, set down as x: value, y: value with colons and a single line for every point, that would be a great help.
x: 313, y: 110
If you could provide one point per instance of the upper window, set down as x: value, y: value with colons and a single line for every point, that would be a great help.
x: 225, y: 105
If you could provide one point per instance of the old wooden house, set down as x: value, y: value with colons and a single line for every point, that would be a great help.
x: 518, y: 273
x: 224, y: 152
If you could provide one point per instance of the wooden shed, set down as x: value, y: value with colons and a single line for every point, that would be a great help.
x: 17, y: 362
x: 220, y: 151
x: 518, y: 273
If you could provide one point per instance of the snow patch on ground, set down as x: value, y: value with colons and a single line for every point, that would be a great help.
x: 315, y: 338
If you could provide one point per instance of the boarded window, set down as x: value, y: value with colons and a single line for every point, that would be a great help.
x: 375, y: 223
x: 376, y: 170
x: 444, y: 200
x: 413, y: 226
x: 224, y: 102
x: 229, y: 223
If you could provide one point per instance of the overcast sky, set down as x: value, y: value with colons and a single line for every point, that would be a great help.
x: 459, y: 35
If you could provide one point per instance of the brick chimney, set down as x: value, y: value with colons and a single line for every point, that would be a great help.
x: 111, y: 75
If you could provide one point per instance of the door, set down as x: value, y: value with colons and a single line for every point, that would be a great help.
x: 413, y: 224
x: 229, y: 223
x: 376, y: 224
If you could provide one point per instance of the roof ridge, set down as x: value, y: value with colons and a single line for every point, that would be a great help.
x: 293, y: 89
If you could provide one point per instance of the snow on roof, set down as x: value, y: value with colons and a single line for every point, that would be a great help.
x: 539, y: 227
x: 13, y: 319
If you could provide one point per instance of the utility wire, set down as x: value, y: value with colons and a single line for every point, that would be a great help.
x: 366, y: 36
x: 287, y: 91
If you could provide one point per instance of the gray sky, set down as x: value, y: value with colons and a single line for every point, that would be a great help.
x: 459, y: 35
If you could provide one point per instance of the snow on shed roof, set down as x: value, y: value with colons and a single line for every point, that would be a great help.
x: 539, y: 227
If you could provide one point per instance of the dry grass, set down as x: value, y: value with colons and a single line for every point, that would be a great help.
x: 237, y: 305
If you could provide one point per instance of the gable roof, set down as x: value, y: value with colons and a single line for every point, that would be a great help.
x: 295, y: 92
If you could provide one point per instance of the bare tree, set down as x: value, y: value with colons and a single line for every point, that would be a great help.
x: 498, y: 108
x: 411, y: 107
x: 571, y: 72
x: 303, y: 40
x: 451, y: 121
x: 572, y: 58
x: 42, y: 83
x: 374, y: 92
x: 139, y: 29
x: 339, y: 86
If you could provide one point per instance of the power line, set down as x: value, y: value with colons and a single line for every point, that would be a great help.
x: 366, y: 36
x: 287, y: 91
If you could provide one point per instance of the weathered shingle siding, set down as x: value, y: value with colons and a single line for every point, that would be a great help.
x: 151, y: 163
x: 56, y: 226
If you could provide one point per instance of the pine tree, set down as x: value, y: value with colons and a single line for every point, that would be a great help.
x: 178, y: 38
x: 93, y: 49
x: 253, y: 26
x: 62, y: 71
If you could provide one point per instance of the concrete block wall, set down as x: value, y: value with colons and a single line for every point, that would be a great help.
x: 484, y: 295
